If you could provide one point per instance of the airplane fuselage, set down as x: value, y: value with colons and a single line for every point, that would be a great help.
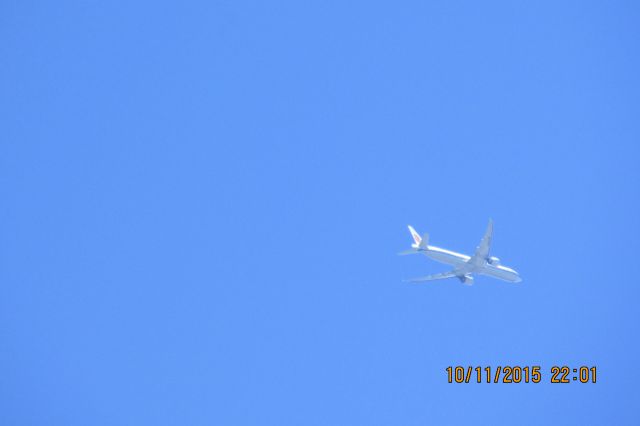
x: 461, y: 262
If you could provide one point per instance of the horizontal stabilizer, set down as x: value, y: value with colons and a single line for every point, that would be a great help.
x: 424, y: 241
x: 406, y: 252
x: 433, y: 277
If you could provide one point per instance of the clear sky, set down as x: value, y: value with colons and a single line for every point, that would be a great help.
x: 202, y: 204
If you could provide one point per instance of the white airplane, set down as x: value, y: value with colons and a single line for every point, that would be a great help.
x: 463, y: 265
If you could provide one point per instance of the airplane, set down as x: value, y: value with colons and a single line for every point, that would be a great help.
x: 463, y: 265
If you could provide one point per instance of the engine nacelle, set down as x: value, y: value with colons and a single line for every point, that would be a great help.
x: 466, y: 279
x: 493, y: 261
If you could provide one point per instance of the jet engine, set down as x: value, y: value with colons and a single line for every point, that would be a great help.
x: 493, y: 261
x: 466, y: 279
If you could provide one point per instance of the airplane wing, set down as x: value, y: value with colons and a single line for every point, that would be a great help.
x: 439, y: 276
x: 482, y: 251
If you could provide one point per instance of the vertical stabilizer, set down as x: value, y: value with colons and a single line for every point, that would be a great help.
x: 415, y: 235
x: 419, y: 242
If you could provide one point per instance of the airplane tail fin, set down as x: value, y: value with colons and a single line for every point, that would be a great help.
x: 419, y: 242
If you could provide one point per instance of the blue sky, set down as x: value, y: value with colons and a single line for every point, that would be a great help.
x: 202, y: 205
